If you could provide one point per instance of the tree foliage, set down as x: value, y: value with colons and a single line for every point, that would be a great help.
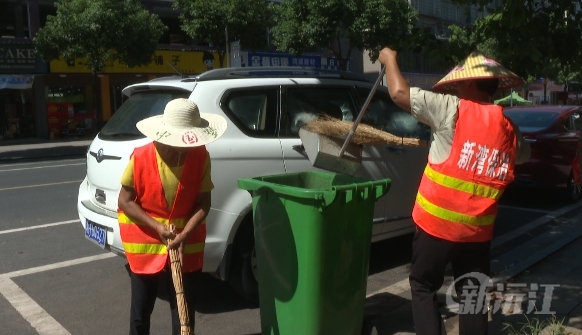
x: 207, y: 20
x: 532, y: 38
x: 101, y: 31
x: 343, y: 25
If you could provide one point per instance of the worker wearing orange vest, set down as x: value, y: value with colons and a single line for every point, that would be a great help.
x: 472, y: 155
x: 156, y: 192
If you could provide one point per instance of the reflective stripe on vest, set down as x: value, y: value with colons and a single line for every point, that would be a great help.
x: 143, y: 248
x: 155, y: 247
x: 457, y: 199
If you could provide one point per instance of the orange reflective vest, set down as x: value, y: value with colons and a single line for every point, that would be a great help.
x: 457, y: 199
x: 144, y: 251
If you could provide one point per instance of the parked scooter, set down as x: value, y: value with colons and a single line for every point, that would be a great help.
x: 72, y: 129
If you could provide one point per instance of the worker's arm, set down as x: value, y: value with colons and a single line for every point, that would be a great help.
x: 127, y: 204
x: 200, y: 212
x: 397, y: 86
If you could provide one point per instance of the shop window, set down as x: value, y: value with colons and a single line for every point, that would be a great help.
x: 69, y: 107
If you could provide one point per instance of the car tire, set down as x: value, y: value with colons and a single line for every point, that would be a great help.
x: 574, y: 191
x: 243, y: 270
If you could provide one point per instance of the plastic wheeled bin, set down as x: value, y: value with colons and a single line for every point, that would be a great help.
x: 312, y: 238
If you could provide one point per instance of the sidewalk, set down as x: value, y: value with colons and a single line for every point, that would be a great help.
x: 563, y: 268
x: 36, y: 148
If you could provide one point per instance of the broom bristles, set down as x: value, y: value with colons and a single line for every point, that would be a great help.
x: 363, y: 135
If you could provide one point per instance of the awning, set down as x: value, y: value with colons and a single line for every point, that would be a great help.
x: 16, y: 81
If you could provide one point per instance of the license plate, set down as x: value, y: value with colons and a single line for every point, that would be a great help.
x: 96, y: 233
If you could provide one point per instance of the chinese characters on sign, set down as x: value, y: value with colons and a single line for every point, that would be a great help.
x: 19, y: 59
x: 490, y: 162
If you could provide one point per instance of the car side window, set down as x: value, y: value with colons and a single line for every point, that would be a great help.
x: 385, y: 115
x: 253, y: 111
x: 303, y: 104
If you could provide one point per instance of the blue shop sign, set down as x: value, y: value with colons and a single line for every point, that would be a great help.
x: 278, y: 59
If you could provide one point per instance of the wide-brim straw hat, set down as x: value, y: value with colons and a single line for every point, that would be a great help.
x: 182, y: 125
x: 477, y: 66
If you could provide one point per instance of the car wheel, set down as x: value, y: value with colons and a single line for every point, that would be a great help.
x: 574, y: 191
x: 243, y: 270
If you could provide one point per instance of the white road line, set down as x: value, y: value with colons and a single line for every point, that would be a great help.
x: 533, y: 224
x: 525, y: 209
x: 59, y: 265
x: 37, y: 227
x: 29, y: 309
x: 395, y: 289
x: 40, y: 185
x: 41, y: 167
x: 403, y: 286
x: 7, y: 165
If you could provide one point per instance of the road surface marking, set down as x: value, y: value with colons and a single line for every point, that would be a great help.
x: 395, y: 289
x: 59, y: 265
x: 533, y: 224
x: 403, y: 286
x: 40, y: 167
x: 525, y: 209
x: 29, y: 309
x: 37, y: 227
x: 40, y: 185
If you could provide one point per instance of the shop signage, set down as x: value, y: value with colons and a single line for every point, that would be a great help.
x: 424, y: 81
x: 538, y: 85
x: 16, y: 81
x: 259, y: 59
x: 187, y: 62
x: 20, y: 59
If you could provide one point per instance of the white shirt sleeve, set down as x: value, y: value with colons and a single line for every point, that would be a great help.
x: 440, y: 113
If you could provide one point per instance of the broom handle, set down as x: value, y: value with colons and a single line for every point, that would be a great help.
x: 362, y: 111
x: 176, y: 269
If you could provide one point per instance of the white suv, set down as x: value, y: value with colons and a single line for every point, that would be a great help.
x: 264, y: 108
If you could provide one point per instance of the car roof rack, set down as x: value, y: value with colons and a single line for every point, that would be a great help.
x: 274, y: 72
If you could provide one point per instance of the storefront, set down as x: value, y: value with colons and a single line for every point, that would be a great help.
x: 77, y: 98
x: 21, y: 72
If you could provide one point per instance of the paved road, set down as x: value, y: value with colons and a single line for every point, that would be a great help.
x: 54, y: 281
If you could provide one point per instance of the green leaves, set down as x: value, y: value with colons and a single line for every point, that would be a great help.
x: 532, y: 38
x: 342, y: 25
x: 206, y: 21
x: 102, y: 31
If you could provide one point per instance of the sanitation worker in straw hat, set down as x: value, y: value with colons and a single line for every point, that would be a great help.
x: 167, y: 182
x: 473, y: 151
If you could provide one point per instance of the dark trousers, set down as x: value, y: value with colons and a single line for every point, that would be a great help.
x: 430, y: 256
x: 146, y: 288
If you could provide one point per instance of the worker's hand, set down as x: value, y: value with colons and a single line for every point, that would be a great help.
x: 386, y: 54
x: 164, y: 233
x: 177, y: 242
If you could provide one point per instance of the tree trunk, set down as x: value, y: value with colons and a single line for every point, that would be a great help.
x: 97, y: 115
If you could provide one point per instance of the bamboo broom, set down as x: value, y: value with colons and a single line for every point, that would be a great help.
x: 364, y: 134
x: 185, y: 328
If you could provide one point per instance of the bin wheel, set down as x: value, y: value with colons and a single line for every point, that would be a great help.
x: 243, y: 274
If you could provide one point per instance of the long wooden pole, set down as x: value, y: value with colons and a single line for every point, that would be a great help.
x: 185, y: 328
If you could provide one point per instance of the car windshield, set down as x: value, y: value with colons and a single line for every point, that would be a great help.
x: 138, y: 107
x: 528, y: 120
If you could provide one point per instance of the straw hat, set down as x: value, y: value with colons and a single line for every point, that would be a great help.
x: 182, y: 125
x: 477, y: 66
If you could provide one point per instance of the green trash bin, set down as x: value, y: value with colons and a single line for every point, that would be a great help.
x: 312, y: 239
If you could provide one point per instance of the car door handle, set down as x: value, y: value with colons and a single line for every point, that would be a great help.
x: 396, y: 148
